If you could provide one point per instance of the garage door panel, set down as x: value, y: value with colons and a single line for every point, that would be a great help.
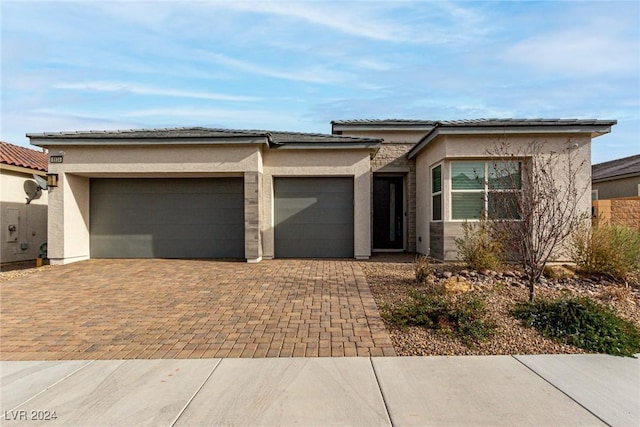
x: 319, y: 249
x: 313, y: 217
x: 337, y: 232
x: 167, y: 218
x: 316, y: 216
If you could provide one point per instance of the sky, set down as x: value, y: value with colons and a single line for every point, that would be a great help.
x: 295, y: 66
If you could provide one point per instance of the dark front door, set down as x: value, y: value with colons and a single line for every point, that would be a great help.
x: 388, y: 213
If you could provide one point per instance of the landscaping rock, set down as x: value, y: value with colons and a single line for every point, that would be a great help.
x: 457, y: 285
x: 447, y: 274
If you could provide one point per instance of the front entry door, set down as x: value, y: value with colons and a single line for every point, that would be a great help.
x: 388, y: 213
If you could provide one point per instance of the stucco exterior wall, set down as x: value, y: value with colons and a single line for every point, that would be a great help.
x: 30, y: 219
x: 409, y: 136
x: 69, y: 216
x: 110, y: 161
x: 446, y: 148
x: 301, y: 163
x: 625, y: 187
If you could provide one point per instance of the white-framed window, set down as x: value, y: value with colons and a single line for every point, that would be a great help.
x: 436, y: 193
x: 594, y: 195
x: 485, y: 188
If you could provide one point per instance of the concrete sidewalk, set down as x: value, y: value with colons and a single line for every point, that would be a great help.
x: 398, y: 391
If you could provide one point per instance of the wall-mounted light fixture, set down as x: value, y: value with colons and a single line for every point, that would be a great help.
x: 52, y: 180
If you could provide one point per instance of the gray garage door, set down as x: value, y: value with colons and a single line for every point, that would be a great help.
x: 167, y: 218
x: 313, y: 217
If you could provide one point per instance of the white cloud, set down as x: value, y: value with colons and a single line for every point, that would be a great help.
x: 579, y: 51
x: 317, y: 74
x: 149, y: 90
x: 372, y: 20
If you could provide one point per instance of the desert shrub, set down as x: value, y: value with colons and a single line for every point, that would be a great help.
x: 609, y: 249
x: 463, y: 315
x: 422, y: 268
x: 477, y: 248
x: 583, y: 323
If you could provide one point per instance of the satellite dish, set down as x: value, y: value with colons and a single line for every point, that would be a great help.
x: 42, y: 183
x: 32, y: 189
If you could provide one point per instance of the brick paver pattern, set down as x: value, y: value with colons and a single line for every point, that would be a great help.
x: 152, y: 309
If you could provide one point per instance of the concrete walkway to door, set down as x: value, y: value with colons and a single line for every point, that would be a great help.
x: 151, y: 309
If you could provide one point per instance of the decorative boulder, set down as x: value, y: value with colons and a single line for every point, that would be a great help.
x: 457, y: 285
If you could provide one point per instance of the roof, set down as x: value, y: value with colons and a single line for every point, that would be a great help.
x: 619, y: 168
x: 337, y: 126
x: 15, y: 155
x: 195, y: 135
x: 594, y: 127
x: 472, y: 122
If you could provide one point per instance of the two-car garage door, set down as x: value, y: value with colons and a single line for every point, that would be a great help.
x: 167, y: 218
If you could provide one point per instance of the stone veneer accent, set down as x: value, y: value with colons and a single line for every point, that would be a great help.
x: 391, y: 159
x: 252, y: 208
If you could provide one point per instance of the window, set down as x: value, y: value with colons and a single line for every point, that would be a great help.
x: 594, y: 194
x: 479, y: 188
x: 436, y: 193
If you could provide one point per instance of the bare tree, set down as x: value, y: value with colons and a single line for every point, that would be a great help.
x: 534, y: 202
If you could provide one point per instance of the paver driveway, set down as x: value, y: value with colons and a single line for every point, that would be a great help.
x: 124, y: 309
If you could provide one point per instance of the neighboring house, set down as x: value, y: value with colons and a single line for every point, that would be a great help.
x: 615, y: 191
x: 23, y: 227
x: 212, y: 193
x: 616, y: 178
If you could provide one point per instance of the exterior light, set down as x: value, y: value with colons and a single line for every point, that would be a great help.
x: 52, y: 180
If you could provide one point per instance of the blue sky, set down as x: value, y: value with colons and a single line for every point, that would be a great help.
x: 298, y: 65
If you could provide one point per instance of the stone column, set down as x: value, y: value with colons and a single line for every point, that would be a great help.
x: 252, y: 209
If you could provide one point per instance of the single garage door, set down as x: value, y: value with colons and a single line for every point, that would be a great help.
x: 313, y: 217
x: 167, y: 218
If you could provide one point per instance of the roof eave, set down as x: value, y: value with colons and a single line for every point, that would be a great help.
x: 47, y: 141
x: 616, y: 177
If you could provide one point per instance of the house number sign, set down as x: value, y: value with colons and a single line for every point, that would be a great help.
x: 56, y: 159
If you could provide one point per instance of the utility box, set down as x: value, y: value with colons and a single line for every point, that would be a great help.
x: 13, y: 225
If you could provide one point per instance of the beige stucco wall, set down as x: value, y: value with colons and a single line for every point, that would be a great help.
x: 625, y: 187
x: 448, y: 147
x: 184, y: 160
x: 389, y: 136
x: 301, y: 163
x: 69, y: 203
x: 31, y: 218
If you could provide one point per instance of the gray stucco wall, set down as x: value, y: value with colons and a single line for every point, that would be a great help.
x: 626, y: 187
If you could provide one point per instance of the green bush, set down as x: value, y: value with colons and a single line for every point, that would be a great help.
x: 422, y: 268
x: 463, y: 315
x: 477, y: 248
x: 583, y: 323
x: 608, y: 249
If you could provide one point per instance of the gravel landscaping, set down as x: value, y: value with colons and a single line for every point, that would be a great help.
x: 391, y: 277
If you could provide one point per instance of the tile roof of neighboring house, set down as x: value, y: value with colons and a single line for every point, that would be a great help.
x: 15, y: 155
x: 627, y: 166
x: 274, y: 138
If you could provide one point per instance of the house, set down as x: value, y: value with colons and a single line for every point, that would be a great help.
x: 616, y: 178
x: 23, y: 227
x: 370, y: 185
x: 615, y: 191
